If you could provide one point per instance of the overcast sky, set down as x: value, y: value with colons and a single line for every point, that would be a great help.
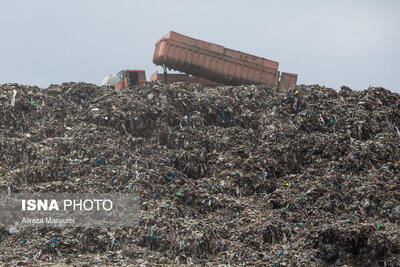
x: 332, y: 43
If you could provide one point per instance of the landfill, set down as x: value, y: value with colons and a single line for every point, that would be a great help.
x: 227, y: 176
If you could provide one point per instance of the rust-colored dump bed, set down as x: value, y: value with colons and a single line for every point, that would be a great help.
x: 214, y: 62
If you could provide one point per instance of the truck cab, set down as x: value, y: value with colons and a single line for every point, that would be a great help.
x: 126, y: 78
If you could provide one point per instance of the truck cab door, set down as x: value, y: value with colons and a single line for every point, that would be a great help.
x: 120, y: 80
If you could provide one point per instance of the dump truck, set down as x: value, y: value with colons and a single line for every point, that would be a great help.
x: 217, y: 63
x: 208, y: 64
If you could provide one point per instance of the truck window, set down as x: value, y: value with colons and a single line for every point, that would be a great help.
x: 133, y: 78
x: 120, y: 76
x: 142, y: 76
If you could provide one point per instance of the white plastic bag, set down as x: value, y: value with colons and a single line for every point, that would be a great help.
x: 13, y: 98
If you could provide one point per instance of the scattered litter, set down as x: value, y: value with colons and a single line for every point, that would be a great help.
x: 225, y: 174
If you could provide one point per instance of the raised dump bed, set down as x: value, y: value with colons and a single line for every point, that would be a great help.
x: 214, y: 62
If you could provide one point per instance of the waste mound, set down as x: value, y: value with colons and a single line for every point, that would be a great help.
x: 226, y: 175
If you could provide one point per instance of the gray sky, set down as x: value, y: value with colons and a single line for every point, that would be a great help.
x: 356, y: 43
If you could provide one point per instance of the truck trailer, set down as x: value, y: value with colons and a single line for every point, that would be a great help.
x: 217, y: 63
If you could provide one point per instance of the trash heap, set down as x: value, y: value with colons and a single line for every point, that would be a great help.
x: 226, y: 175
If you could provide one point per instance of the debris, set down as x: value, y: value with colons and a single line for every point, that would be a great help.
x: 224, y: 174
x: 13, y: 98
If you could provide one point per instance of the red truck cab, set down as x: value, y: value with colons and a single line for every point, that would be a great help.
x: 126, y: 78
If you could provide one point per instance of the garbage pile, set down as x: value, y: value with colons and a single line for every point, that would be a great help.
x: 226, y: 175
